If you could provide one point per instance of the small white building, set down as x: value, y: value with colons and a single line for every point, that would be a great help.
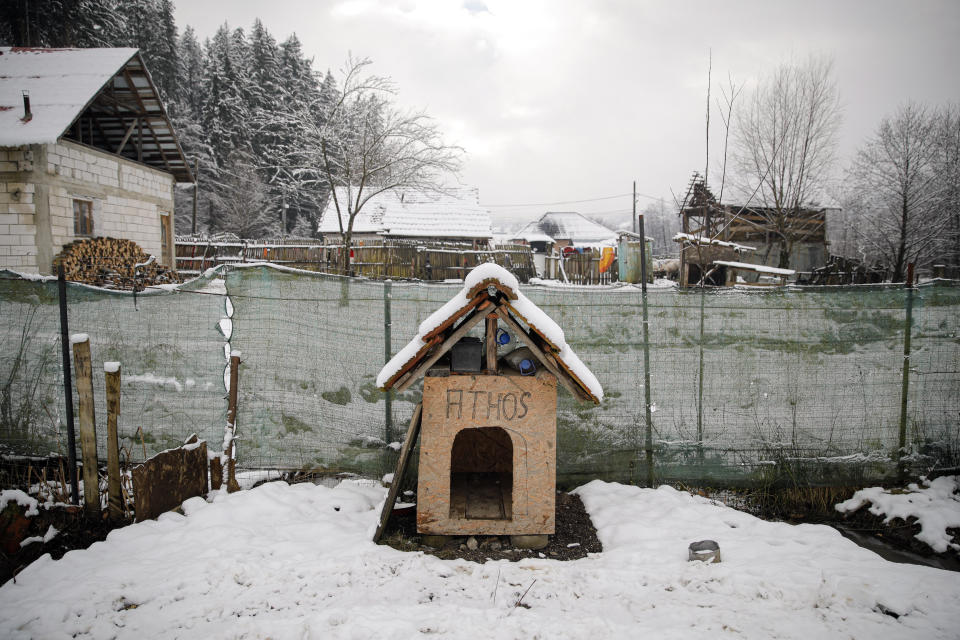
x: 451, y: 215
x: 86, y: 150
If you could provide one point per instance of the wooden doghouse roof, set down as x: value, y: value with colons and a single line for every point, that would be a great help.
x: 490, y: 288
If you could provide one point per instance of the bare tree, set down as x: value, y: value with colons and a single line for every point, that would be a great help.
x: 242, y: 204
x: 895, y: 193
x: 947, y: 168
x: 366, y: 146
x: 784, y: 143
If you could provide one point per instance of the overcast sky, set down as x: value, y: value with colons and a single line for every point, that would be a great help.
x: 563, y: 100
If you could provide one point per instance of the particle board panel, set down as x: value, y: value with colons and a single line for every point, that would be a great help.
x: 524, y: 408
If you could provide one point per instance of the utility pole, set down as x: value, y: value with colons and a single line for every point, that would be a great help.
x: 196, y: 189
x: 634, y: 219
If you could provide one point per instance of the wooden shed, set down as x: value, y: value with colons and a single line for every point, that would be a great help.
x: 488, y: 415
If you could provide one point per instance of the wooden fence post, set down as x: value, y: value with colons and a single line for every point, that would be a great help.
x: 231, y: 469
x: 88, y: 430
x: 111, y: 371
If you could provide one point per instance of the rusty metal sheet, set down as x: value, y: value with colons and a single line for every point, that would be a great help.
x: 167, y: 479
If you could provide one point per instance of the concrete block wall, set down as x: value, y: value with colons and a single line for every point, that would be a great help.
x: 127, y: 199
x: 18, y: 243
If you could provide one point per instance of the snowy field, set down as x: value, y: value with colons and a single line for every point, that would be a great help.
x: 295, y: 561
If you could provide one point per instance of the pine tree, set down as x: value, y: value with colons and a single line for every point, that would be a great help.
x: 165, y: 63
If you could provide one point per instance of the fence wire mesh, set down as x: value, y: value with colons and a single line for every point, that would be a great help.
x: 747, y: 387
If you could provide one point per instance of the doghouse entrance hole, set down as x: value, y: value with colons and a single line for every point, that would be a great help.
x: 481, y: 475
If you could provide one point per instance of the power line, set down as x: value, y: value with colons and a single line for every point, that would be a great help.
x: 547, y: 204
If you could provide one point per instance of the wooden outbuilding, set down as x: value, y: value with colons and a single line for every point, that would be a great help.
x: 488, y: 416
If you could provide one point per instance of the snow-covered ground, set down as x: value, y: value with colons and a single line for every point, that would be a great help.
x: 934, y: 503
x: 295, y: 561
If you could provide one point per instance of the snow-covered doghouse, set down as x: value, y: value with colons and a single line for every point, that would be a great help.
x: 489, y: 412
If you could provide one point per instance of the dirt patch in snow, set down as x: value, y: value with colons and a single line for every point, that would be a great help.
x: 74, y: 531
x: 574, y: 538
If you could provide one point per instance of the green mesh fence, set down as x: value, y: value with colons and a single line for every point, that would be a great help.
x: 802, y: 385
x: 166, y: 341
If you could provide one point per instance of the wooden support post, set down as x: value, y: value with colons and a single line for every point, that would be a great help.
x: 88, y: 430
x: 491, y: 342
x: 67, y: 386
x: 412, y: 432
x: 230, y: 451
x: 111, y: 372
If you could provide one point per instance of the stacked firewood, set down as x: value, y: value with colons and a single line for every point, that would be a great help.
x: 112, y: 263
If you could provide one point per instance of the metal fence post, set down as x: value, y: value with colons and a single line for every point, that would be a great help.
x: 387, y: 348
x: 648, y: 438
x: 68, y: 387
x: 700, y: 385
x: 905, y: 389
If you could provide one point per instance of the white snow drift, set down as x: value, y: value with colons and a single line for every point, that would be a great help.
x: 296, y: 561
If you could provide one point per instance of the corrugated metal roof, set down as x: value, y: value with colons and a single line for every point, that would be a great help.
x: 452, y: 213
x: 101, y: 97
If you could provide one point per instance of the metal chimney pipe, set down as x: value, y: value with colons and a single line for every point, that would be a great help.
x: 27, y: 116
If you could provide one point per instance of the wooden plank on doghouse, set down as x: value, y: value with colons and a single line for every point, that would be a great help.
x: 533, y: 328
x: 412, y: 432
x: 461, y: 331
x: 88, y: 430
x: 537, y: 351
x: 449, y: 322
x: 491, y: 343
x: 401, y: 376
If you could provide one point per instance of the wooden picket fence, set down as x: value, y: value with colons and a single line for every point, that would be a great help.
x: 580, y: 267
x: 395, y: 259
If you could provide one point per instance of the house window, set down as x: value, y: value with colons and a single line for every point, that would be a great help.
x: 82, y: 218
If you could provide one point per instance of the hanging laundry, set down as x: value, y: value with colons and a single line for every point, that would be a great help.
x: 606, y: 259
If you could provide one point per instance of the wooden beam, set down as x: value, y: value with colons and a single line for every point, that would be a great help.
x: 399, y: 377
x: 491, y: 343
x: 412, y: 432
x: 447, y: 344
x: 533, y: 328
x: 114, y: 491
x: 126, y: 136
x: 449, y: 322
x: 537, y: 351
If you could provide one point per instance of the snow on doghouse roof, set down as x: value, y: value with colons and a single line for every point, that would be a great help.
x: 451, y: 213
x: 437, y: 333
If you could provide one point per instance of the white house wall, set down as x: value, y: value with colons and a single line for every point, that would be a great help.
x: 38, y: 184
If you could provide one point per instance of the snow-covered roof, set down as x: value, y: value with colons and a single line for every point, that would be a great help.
x: 472, y: 296
x: 62, y: 84
x: 692, y: 239
x: 568, y: 225
x: 450, y: 213
x: 531, y: 233
x: 759, y: 268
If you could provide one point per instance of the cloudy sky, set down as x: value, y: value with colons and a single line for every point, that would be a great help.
x: 565, y: 100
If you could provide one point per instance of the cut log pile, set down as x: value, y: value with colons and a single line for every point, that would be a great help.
x: 112, y: 263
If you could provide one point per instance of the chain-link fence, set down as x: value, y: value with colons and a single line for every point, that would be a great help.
x: 746, y: 387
